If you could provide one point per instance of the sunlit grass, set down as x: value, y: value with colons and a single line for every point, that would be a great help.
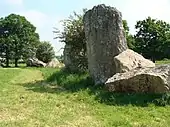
x: 47, y: 97
x: 166, y: 61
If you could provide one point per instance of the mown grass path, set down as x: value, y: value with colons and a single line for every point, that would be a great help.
x: 40, y: 98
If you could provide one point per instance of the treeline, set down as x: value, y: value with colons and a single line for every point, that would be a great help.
x: 19, y: 40
x: 152, y: 38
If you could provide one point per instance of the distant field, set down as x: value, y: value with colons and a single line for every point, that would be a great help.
x: 48, y: 97
x: 163, y: 62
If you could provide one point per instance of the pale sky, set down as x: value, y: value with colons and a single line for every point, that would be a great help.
x: 46, y: 14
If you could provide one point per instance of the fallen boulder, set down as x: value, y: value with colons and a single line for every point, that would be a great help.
x: 54, y: 63
x: 129, y: 60
x: 141, y: 80
x: 34, y: 62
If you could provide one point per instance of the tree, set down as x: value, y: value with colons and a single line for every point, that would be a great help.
x: 19, y: 37
x: 151, y: 38
x: 5, y: 44
x: 130, y: 38
x: 45, y: 52
x: 74, y: 36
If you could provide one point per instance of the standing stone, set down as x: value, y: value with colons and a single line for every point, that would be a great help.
x: 105, y: 38
x: 69, y: 58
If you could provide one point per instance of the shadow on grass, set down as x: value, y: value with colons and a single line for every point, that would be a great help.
x: 63, y: 81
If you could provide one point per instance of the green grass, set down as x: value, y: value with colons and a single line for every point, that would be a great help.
x: 166, y: 61
x: 47, y: 97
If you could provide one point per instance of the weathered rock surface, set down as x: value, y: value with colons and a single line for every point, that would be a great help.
x: 105, y: 39
x: 150, y: 80
x: 68, y: 58
x: 128, y: 60
x: 34, y: 62
x: 54, y: 63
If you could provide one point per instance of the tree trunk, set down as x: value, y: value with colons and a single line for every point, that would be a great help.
x: 16, y: 62
x: 16, y: 55
x: 7, y: 57
x: 7, y: 62
x: 153, y: 59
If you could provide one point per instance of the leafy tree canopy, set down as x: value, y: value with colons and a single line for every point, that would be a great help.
x: 45, y: 52
x: 152, y: 38
x: 19, y: 36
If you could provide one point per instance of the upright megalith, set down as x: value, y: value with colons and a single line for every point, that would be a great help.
x: 69, y: 58
x: 105, y: 38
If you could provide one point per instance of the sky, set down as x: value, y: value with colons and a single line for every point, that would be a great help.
x: 47, y: 14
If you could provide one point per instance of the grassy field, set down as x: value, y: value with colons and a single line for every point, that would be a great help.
x: 54, y: 98
x: 165, y: 61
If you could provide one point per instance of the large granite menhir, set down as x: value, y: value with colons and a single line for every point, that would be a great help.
x: 105, y: 39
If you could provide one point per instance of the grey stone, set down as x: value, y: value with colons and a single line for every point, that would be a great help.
x: 128, y: 60
x: 54, y: 63
x: 141, y: 80
x: 105, y: 38
x: 34, y: 62
x: 69, y: 58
